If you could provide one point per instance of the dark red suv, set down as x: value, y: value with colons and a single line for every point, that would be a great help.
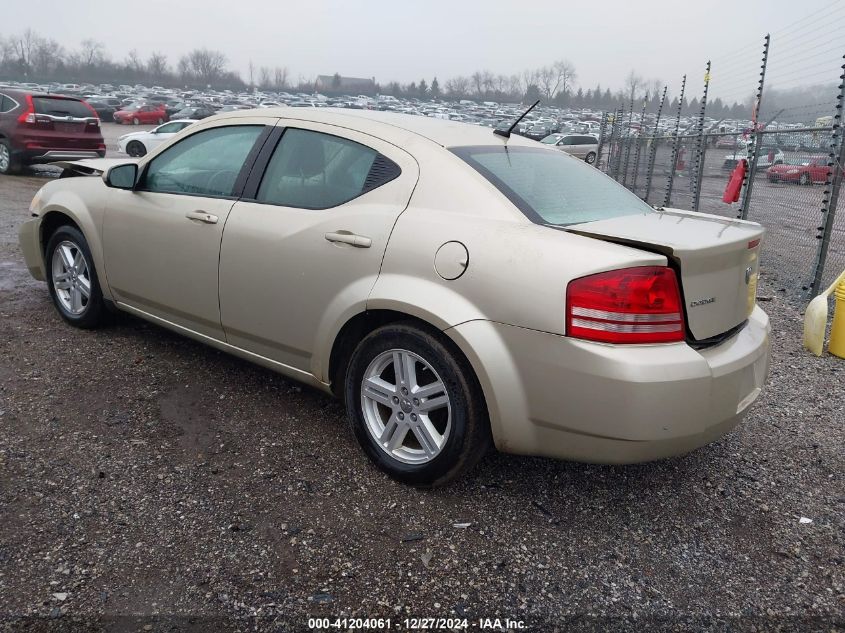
x: 41, y: 128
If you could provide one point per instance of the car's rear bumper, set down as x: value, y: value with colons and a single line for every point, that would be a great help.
x: 48, y: 155
x: 30, y: 242
x: 561, y: 397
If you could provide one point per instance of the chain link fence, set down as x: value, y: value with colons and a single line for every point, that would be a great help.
x: 790, y: 186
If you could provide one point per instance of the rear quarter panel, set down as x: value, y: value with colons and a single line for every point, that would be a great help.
x: 517, y: 271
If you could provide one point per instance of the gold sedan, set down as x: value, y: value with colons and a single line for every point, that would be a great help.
x: 457, y: 288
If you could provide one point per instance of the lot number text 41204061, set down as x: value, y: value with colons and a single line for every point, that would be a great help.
x: 415, y: 624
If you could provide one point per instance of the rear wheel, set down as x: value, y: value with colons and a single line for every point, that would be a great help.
x: 8, y: 165
x: 72, y: 279
x: 805, y: 179
x: 135, y: 149
x: 415, y: 407
x: 135, y: 121
x: 160, y: 120
x: 590, y: 158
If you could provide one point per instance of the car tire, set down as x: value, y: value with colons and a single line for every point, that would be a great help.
x: 67, y: 282
x: 8, y: 164
x: 136, y: 149
x: 805, y: 179
x: 590, y: 158
x: 135, y: 121
x: 160, y: 120
x: 433, y: 442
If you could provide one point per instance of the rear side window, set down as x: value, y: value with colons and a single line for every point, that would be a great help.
x: 61, y: 107
x: 550, y: 187
x: 588, y: 140
x: 204, y: 164
x: 6, y: 104
x: 311, y: 170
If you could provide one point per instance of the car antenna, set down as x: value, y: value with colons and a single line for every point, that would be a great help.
x: 507, y: 133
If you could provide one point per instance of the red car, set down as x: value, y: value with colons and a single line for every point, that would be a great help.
x: 137, y: 114
x: 42, y: 128
x: 815, y: 170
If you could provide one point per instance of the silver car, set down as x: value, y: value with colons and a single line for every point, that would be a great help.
x: 582, y: 146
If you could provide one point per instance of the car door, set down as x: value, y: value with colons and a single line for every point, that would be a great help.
x: 303, y: 247
x: 568, y: 145
x: 161, y: 241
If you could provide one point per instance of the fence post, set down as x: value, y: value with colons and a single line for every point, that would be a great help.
x: 639, y: 145
x: 611, y: 149
x: 602, y: 130
x: 748, y: 183
x: 653, y: 151
x: 700, y: 145
x: 628, y: 142
x: 617, y: 150
x: 833, y: 184
x: 667, y: 198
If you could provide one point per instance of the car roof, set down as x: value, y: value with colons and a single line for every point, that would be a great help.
x: 391, y: 126
x: 38, y: 94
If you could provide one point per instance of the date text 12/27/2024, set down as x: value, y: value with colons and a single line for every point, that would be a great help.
x: 415, y: 624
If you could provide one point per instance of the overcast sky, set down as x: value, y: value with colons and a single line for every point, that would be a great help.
x: 407, y: 40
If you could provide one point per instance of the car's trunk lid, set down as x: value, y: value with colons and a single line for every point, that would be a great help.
x: 717, y: 259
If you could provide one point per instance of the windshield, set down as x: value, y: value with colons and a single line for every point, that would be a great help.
x: 551, y: 187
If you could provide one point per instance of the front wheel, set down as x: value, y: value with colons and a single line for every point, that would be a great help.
x: 136, y: 149
x: 160, y: 120
x: 590, y: 158
x: 72, y: 279
x: 805, y: 179
x: 135, y: 121
x: 415, y: 406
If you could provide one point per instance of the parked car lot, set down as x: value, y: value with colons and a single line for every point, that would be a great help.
x: 250, y: 480
x: 186, y: 477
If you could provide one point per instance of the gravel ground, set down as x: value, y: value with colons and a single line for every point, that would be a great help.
x: 149, y: 483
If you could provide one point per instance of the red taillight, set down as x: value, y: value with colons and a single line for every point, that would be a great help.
x: 28, y: 115
x: 630, y: 305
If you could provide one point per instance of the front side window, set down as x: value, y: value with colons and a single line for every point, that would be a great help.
x: 311, y: 170
x: 205, y: 164
x: 550, y: 187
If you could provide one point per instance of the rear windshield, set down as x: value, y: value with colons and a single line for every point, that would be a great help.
x: 61, y: 107
x: 551, y: 187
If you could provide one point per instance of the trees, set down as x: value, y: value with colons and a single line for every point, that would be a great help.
x: 204, y: 65
x: 435, y: 88
x: 157, y: 66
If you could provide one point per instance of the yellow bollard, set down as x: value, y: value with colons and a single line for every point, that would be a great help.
x: 837, y: 330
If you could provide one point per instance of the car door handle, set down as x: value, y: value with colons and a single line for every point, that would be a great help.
x: 345, y: 237
x: 202, y: 216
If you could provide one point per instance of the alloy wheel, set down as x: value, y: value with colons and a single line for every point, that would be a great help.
x: 71, y: 277
x: 406, y: 406
x: 5, y: 158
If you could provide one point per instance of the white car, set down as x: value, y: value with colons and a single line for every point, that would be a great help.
x: 139, y: 143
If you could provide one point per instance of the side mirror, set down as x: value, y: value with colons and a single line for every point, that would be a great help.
x: 122, y: 176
